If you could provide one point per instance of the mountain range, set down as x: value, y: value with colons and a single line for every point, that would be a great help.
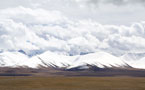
x: 99, y: 59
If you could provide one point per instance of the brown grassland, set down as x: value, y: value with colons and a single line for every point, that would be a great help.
x: 59, y: 79
x: 71, y: 83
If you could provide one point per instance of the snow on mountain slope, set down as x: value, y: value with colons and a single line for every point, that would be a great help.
x: 100, y: 59
x: 139, y: 64
x: 136, y: 60
x: 136, y: 63
x: 12, y: 58
x: 15, y: 59
x: 58, y: 60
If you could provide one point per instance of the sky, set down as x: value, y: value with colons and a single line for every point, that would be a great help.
x: 72, y: 27
x: 123, y: 11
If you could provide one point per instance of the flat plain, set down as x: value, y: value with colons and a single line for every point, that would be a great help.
x: 59, y: 79
x: 71, y: 83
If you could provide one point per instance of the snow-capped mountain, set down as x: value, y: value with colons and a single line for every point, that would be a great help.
x: 100, y: 59
x: 72, y: 33
x: 136, y: 60
x: 15, y: 59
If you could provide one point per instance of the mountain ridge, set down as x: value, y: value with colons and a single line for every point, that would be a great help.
x: 99, y: 59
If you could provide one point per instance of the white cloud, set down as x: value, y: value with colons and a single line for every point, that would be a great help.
x: 103, y: 11
x: 45, y: 30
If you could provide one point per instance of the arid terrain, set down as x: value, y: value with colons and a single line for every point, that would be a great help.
x: 72, y: 83
x: 74, y: 79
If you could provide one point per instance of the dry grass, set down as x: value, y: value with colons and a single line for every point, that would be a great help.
x: 71, y: 83
x: 60, y: 79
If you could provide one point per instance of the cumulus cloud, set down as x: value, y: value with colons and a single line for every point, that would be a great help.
x: 38, y: 30
x: 121, y: 11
